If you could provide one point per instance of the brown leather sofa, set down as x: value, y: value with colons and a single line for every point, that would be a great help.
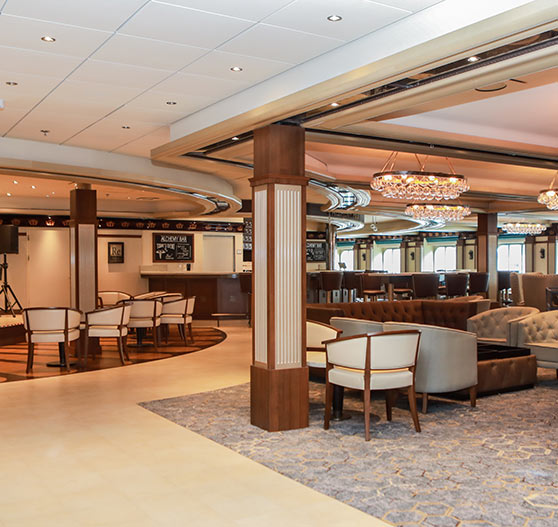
x: 433, y: 312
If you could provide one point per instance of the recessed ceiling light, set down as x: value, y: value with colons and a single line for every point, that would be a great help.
x: 16, y: 181
x: 48, y: 195
x: 45, y: 132
x: 236, y: 68
x: 171, y: 103
x: 11, y: 83
x: 8, y: 194
x: 334, y: 18
x: 52, y: 192
x: 474, y: 58
x: 235, y: 138
x: 47, y: 38
x: 33, y: 187
x: 334, y: 104
x: 126, y: 127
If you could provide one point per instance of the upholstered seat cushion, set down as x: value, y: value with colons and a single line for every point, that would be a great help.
x: 53, y: 336
x: 546, y: 351
x: 486, y: 340
x: 384, y: 380
x: 143, y: 322
x: 107, y: 331
x: 316, y: 359
x: 173, y: 319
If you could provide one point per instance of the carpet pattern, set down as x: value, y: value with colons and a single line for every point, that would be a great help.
x: 494, y: 465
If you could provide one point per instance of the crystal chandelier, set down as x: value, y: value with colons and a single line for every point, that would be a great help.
x: 418, y: 185
x: 427, y: 211
x: 523, y: 228
x: 549, y: 197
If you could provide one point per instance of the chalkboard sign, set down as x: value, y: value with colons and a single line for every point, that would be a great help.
x: 316, y: 252
x: 173, y: 247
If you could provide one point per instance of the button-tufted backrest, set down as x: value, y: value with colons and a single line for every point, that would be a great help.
x: 494, y: 323
x: 541, y: 327
x: 448, y: 314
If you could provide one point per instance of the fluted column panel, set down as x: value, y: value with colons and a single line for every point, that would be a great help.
x: 260, y: 276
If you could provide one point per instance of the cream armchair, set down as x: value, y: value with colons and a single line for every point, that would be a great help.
x: 447, y: 360
x: 356, y: 326
x: 316, y: 334
x: 111, y: 298
x: 499, y: 326
x: 539, y: 332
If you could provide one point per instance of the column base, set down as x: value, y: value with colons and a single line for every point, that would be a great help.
x: 279, y: 398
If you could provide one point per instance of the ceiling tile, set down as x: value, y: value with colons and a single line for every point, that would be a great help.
x: 183, y: 26
x: 143, y: 146
x: 100, y: 14
x: 247, y: 9
x: 29, y: 91
x: 108, y: 134
x: 48, y: 64
x: 118, y: 74
x: 411, y: 5
x: 10, y: 116
x: 147, y: 52
x: 26, y: 33
x: 359, y: 17
x: 276, y: 43
x: 218, y: 64
x: 200, y: 86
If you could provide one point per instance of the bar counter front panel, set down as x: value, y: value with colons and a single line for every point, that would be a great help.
x: 215, y: 293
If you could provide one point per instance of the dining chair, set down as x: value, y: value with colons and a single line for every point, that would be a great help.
x: 478, y: 283
x: 111, y: 322
x: 372, y: 286
x: 50, y: 324
x: 316, y: 334
x: 383, y: 361
x: 425, y: 285
x: 146, y: 313
x: 176, y: 312
x: 111, y: 298
x: 456, y: 284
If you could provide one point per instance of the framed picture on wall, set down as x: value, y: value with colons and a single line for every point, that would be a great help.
x: 115, y: 252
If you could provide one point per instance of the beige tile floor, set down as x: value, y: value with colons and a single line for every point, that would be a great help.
x: 77, y: 451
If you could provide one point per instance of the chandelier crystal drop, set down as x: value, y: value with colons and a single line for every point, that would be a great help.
x: 523, y: 228
x: 549, y: 196
x: 418, y: 185
x: 439, y: 212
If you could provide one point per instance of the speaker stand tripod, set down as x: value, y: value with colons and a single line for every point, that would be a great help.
x: 10, y: 299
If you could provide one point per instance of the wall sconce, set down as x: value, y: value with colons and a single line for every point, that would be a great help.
x: 542, y: 254
x: 471, y: 255
x: 364, y: 257
x: 412, y: 255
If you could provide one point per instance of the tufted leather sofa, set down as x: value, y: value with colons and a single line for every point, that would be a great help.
x: 499, y: 326
x: 534, y: 289
x: 433, y: 312
x: 540, y: 333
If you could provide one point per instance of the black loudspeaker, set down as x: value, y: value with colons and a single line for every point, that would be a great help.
x: 9, y: 239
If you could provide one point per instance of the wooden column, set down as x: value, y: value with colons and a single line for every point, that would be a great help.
x: 529, y: 254
x: 83, y: 248
x: 460, y: 253
x: 279, y: 375
x: 487, y: 247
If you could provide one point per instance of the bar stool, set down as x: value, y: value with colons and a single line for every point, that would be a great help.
x: 425, y: 285
x: 478, y: 283
x: 330, y: 281
x: 312, y: 287
x: 456, y: 284
x: 372, y: 286
x: 351, y: 282
x: 504, y: 287
x: 402, y: 286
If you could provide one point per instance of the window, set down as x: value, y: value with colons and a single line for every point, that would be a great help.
x: 346, y: 257
x: 391, y: 260
x: 445, y: 258
x: 511, y: 257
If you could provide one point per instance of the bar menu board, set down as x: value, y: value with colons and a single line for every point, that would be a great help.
x: 316, y: 251
x: 173, y: 247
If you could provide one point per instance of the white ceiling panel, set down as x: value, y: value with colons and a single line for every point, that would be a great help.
x: 143, y: 146
x: 30, y: 89
x: 276, y: 43
x: 100, y: 14
x: 359, y: 17
x: 147, y: 52
x: 26, y: 33
x: 247, y: 9
x: 8, y: 117
x: 60, y: 129
x: 108, y: 134
x: 183, y: 26
x: 218, y: 64
x: 118, y: 74
x: 411, y: 5
x: 200, y: 86
x: 25, y: 61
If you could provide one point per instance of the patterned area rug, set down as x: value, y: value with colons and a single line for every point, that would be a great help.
x: 496, y: 465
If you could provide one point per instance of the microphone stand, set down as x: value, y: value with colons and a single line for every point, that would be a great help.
x: 7, y: 291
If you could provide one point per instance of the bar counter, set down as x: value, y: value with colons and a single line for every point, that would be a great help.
x: 215, y: 293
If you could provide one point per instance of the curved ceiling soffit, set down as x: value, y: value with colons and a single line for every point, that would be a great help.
x: 211, y: 194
